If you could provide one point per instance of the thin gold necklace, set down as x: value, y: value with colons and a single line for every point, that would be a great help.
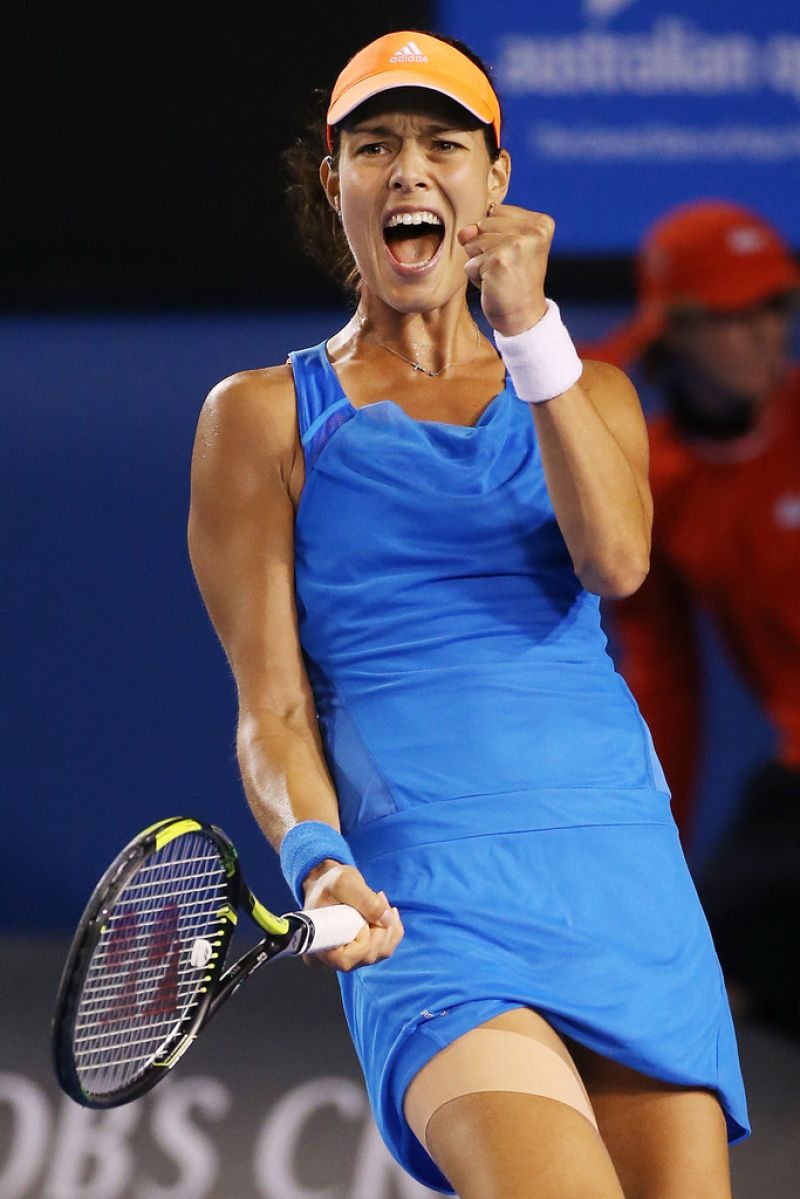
x: 416, y: 366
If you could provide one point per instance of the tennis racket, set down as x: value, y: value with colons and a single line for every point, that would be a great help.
x: 144, y: 973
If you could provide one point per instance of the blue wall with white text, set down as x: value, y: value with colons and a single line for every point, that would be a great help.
x: 616, y: 110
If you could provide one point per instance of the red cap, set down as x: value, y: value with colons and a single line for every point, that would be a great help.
x: 708, y: 254
x: 410, y: 59
x: 714, y: 254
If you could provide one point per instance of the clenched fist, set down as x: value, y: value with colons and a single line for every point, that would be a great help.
x: 507, y: 255
x: 331, y: 882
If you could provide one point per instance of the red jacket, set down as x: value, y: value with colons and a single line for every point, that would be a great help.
x: 726, y: 536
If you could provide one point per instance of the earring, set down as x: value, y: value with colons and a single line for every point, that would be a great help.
x: 489, y: 209
x: 337, y: 210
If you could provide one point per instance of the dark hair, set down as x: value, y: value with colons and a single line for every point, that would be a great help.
x: 321, y: 234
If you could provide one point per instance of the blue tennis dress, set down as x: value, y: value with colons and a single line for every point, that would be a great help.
x: 494, y: 775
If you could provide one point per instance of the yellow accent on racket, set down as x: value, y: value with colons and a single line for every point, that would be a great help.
x: 171, y: 831
x: 268, y: 921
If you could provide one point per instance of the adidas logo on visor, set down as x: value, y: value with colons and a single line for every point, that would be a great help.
x: 409, y: 53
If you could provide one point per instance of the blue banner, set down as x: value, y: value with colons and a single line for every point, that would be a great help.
x: 616, y: 110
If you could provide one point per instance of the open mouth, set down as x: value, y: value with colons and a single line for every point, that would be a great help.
x: 413, y: 239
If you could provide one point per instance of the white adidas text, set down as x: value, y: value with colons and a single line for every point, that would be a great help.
x: 409, y: 53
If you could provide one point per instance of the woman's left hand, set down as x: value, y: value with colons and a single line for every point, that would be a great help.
x: 507, y: 255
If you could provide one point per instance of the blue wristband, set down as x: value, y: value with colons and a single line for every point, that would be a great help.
x: 305, y: 846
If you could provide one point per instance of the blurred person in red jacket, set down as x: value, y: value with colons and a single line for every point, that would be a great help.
x: 717, y: 287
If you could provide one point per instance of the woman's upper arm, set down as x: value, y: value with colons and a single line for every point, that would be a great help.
x: 241, y: 533
x: 615, y: 399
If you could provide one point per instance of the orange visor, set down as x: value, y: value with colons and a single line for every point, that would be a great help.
x: 413, y: 60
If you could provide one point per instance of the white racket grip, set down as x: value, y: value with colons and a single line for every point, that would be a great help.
x: 333, y: 926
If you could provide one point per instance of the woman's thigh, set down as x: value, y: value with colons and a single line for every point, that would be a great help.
x: 503, y: 1112
x: 666, y: 1141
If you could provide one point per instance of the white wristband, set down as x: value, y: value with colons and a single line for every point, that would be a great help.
x: 542, y: 361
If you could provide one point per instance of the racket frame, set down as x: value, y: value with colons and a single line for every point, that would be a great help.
x: 289, y: 934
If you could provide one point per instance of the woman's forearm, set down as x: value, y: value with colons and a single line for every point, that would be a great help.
x: 284, y: 773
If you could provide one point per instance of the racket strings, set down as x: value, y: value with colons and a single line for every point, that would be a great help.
x: 211, y: 858
x: 101, y: 1001
x: 167, y: 888
x: 149, y: 877
x: 111, y: 980
x: 142, y: 982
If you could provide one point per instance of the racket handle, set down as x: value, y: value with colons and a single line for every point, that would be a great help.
x: 333, y: 926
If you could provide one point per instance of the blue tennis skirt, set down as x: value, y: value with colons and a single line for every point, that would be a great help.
x: 598, y: 927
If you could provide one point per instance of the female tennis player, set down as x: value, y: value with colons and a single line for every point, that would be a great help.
x: 402, y: 536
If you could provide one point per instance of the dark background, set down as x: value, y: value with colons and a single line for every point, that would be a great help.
x: 143, y: 153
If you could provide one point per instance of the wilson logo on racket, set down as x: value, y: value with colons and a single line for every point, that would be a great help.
x: 141, y: 965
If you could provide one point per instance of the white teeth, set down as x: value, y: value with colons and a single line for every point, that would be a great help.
x: 413, y: 218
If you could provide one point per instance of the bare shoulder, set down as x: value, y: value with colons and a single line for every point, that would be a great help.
x: 247, y: 431
x: 250, y: 406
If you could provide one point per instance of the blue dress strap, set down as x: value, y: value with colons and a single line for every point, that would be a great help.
x: 322, y: 406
